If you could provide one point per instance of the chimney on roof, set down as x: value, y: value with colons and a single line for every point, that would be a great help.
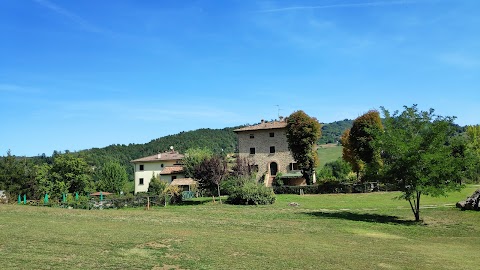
x: 159, y: 156
x: 280, y: 118
x: 263, y: 121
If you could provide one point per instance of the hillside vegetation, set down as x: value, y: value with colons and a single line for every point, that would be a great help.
x: 218, y: 140
x: 332, y: 132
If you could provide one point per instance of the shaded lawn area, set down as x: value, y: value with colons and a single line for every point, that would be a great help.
x: 337, y: 231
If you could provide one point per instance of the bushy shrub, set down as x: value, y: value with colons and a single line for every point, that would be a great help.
x: 278, y: 181
x: 229, y: 185
x: 251, y: 193
x: 173, y: 195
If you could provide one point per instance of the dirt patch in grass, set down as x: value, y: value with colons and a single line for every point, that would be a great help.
x: 387, y: 266
x: 376, y: 234
x: 139, y: 252
x: 154, y: 245
x: 168, y: 267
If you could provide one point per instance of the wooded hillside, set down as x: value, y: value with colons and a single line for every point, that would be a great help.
x: 218, y: 140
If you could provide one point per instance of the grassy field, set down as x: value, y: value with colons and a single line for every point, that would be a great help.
x: 338, y: 231
x: 328, y: 153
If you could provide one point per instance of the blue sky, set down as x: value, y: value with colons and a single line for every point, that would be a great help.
x: 82, y: 74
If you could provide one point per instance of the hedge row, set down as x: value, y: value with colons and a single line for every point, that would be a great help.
x: 333, y: 187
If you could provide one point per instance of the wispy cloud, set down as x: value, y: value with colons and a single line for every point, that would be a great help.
x: 82, y: 23
x: 346, y: 5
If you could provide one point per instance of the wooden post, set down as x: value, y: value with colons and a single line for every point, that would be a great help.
x: 148, y: 203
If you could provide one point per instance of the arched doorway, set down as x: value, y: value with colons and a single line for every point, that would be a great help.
x: 273, y: 168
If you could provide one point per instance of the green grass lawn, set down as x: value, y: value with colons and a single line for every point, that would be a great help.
x: 338, y: 231
x: 328, y: 153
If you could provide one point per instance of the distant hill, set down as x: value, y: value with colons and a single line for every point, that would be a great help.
x: 218, y: 140
x: 332, y: 132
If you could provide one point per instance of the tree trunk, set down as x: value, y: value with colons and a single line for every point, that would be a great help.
x: 415, y: 206
x: 417, y: 216
x: 218, y: 189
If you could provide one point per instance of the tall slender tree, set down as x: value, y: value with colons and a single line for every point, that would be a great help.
x: 348, y: 154
x: 303, y: 133
x: 362, y: 133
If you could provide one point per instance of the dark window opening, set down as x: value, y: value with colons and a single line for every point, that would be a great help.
x: 294, y: 166
x: 140, y: 181
x: 272, y: 149
x: 252, y: 136
x: 252, y: 151
x: 161, y: 165
x: 141, y: 167
x: 272, y: 134
x: 174, y: 177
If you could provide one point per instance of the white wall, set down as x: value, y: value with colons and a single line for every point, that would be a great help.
x: 149, y: 168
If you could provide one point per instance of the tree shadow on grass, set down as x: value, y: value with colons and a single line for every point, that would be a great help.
x: 194, y: 202
x: 375, y: 218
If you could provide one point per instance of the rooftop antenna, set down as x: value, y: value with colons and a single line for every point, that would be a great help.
x: 278, y: 111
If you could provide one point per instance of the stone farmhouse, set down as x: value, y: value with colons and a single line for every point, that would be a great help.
x: 167, y: 165
x: 265, y: 145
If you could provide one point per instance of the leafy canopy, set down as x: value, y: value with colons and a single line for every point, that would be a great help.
x: 112, y: 177
x: 303, y: 133
x: 417, y: 155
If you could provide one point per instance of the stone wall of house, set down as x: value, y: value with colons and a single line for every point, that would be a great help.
x: 262, y: 141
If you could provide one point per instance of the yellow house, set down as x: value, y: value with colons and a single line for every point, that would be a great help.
x: 167, y: 165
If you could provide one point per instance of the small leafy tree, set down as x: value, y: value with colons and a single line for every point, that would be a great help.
x: 303, y: 133
x: 210, y: 173
x: 417, y: 155
x: 112, y: 177
x: 156, y: 185
x: 193, y: 157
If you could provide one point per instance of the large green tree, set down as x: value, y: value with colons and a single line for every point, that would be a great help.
x: 71, y: 174
x: 417, y: 154
x: 17, y: 175
x: 303, y: 133
x: 362, y: 133
x: 112, y: 177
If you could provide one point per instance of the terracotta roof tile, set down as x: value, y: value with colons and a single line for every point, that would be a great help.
x: 172, y: 170
x: 263, y: 126
x: 160, y: 157
x: 183, y: 182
